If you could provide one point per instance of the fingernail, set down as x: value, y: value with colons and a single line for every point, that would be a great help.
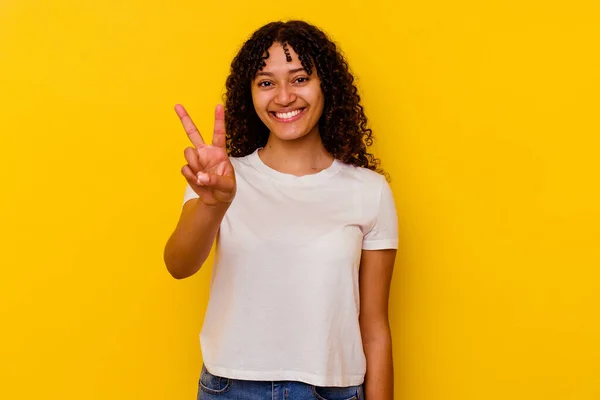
x: 202, y: 178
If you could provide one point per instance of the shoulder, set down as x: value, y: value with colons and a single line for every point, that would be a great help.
x: 243, y: 166
x: 371, y: 187
x: 365, y: 178
x: 240, y: 161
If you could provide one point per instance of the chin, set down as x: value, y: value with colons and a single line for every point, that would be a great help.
x: 288, y: 136
x: 289, y: 133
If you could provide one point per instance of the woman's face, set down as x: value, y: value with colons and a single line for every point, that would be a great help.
x: 287, y: 100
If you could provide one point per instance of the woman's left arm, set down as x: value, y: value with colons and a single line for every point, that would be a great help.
x: 376, y: 268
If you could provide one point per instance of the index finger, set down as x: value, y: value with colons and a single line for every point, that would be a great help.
x: 190, y: 128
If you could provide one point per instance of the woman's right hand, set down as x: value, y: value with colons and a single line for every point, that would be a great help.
x: 208, y: 171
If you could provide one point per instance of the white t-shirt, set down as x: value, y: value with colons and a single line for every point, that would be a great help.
x: 284, y: 299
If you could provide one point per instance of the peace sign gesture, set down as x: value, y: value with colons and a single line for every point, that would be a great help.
x: 208, y: 171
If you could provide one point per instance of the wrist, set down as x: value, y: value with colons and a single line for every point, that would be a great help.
x: 217, y: 209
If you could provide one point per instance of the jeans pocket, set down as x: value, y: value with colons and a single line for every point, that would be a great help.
x: 335, y: 393
x: 213, y: 384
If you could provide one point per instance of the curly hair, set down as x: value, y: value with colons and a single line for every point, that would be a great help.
x: 342, y: 125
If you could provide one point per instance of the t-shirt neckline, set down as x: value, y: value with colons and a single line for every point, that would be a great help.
x: 318, y: 177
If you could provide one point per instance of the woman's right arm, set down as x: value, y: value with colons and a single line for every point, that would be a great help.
x: 191, y: 242
x: 210, y: 174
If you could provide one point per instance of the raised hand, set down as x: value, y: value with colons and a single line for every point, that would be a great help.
x: 208, y: 171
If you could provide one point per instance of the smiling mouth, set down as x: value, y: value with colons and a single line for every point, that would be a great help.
x: 288, y: 116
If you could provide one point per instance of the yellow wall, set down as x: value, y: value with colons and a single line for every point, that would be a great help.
x: 486, y: 115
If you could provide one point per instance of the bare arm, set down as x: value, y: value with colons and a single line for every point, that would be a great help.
x: 375, y: 278
x: 191, y: 242
x: 210, y: 174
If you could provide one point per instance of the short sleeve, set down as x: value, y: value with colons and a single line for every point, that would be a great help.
x: 189, y: 194
x: 384, y: 231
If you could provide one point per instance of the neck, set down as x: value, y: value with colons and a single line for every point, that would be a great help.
x: 302, y: 156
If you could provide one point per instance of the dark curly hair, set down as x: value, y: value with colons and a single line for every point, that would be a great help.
x: 342, y: 125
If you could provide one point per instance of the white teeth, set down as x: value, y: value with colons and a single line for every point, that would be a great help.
x: 288, y: 115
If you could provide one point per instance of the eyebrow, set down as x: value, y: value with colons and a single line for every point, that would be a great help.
x: 291, y: 71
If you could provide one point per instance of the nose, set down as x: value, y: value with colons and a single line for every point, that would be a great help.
x: 285, y: 95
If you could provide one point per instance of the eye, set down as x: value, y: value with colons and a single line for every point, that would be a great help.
x: 302, y: 79
x: 264, y: 84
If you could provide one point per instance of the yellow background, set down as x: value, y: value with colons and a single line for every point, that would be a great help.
x: 486, y: 116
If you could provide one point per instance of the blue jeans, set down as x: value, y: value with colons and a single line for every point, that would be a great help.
x: 212, y: 387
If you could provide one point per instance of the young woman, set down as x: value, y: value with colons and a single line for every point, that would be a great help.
x: 305, y: 226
